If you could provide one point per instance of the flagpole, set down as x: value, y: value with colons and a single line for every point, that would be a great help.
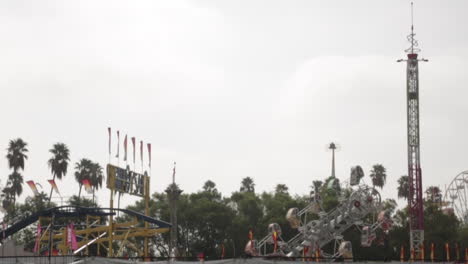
x: 109, y: 130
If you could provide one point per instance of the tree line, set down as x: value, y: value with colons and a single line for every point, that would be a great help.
x: 209, y: 221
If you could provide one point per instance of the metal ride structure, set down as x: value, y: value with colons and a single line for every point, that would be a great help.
x: 456, y: 196
x: 96, y: 225
x: 319, y: 230
x: 415, y: 199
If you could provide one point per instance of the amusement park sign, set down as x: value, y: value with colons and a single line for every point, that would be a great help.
x: 126, y: 181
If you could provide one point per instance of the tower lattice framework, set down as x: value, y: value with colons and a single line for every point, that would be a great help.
x: 415, y: 199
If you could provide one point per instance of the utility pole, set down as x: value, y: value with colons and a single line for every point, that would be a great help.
x: 415, y: 200
x: 332, y: 147
x: 173, y: 193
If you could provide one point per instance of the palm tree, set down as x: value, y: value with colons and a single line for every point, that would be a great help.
x: 16, y: 155
x: 281, y: 189
x: 378, y: 175
x: 16, y: 184
x: 97, y: 176
x: 82, y: 171
x: 209, y: 186
x: 247, y: 185
x: 58, y: 163
x: 434, y: 194
x: 403, y: 187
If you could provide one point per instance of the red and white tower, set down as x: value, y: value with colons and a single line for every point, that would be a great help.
x: 415, y: 200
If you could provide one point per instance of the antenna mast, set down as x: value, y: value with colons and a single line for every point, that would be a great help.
x: 415, y: 200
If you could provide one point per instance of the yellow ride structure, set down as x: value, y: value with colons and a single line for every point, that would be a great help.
x: 110, y: 237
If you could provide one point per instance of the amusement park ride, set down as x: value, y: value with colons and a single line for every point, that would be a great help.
x: 98, y: 227
x: 319, y: 230
x: 415, y: 198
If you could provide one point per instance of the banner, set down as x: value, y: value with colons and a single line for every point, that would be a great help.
x: 125, y: 148
x: 33, y: 187
x: 54, y: 186
x: 109, y: 131
x: 173, y: 173
x: 133, y: 143
x: 141, y: 153
x: 71, y: 237
x: 38, y: 238
x: 87, y: 184
x: 118, y: 143
x: 149, y: 154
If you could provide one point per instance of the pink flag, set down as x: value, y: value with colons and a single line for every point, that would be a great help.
x: 87, y: 185
x: 118, y: 144
x: 33, y: 187
x: 71, y: 237
x: 54, y: 186
x: 38, y: 238
x: 133, y: 143
x: 141, y: 153
x: 125, y: 148
x: 109, y: 130
x: 149, y: 154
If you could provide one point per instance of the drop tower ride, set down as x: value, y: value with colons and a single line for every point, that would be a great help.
x: 415, y: 200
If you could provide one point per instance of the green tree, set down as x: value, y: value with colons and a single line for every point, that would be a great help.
x: 281, y: 188
x: 209, y: 187
x: 403, y: 187
x: 15, y: 181
x: 378, y: 175
x: 82, y: 171
x: 433, y: 194
x: 16, y: 156
x: 97, y: 176
x: 247, y: 185
x: 58, y: 163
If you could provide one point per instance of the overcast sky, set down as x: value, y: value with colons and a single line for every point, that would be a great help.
x: 230, y: 89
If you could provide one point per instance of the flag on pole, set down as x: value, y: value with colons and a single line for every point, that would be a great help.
x: 133, y: 143
x: 33, y: 187
x: 54, y: 186
x: 118, y: 143
x: 141, y: 153
x: 109, y: 130
x: 87, y: 184
x: 149, y: 154
x: 125, y: 148
x: 173, y: 173
x: 38, y: 238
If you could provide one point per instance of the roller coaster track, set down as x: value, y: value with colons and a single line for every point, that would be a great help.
x: 74, y: 211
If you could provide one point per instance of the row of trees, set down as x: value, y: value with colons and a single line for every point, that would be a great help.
x: 209, y: 220
x: 58, y: 163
